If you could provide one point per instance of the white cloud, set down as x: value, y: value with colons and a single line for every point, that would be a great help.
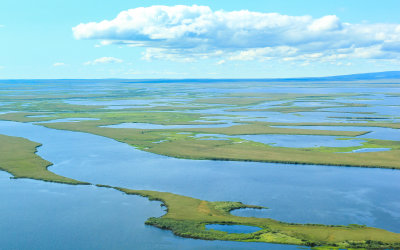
x: 326, y: 23
x: 187, y: 33
x: 221, y: 62
x: 104, y: 60
x: 59, y: 64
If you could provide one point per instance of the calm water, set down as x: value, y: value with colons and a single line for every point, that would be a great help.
x: 139, y: 125
x: 375, y: 132
x: 365, y: 150
x: 233, y: 229
x: 294, y: 193
x: 40, y: 215
x: 291, y: 141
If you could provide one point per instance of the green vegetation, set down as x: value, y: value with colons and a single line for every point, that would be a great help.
x: 341, y: 124
x: 111, y: 117
x: 187, y: 217
x: 173, y: 143
x: 19, y: 159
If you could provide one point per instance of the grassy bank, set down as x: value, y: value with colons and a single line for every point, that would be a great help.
x: 187, y: 217
x: 17, y: 157
x: 172, y: 143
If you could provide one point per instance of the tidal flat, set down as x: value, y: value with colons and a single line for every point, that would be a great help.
x: 309, y: 193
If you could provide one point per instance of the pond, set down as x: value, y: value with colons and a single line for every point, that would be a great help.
x: 291, y: 141
x: 139, y: 125
x: 375, y: 132
x: 233, y: 229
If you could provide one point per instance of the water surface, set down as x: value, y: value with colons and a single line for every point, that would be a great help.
x: 233, y: 229
x: 294, y: 193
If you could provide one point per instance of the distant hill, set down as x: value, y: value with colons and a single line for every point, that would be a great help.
x: 353, y: 77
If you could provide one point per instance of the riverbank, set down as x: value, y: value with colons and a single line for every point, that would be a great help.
x: 187, y: 216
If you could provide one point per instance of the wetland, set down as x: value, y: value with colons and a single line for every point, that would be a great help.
x: 194, y: 146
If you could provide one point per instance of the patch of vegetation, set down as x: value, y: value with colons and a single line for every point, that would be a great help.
x: 17, y: 157
x: 338, y: 124
x: 187, y: 217
x: 174, y: 143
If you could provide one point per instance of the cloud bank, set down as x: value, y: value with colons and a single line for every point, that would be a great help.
x: 194, y: 32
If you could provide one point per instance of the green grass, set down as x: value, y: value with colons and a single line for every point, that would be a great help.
x: 111, y: 117
x: 17, y: 157
x: 344, y: 124
x: 257, y: 128
x: 185, y: 146
x: 187, y: 217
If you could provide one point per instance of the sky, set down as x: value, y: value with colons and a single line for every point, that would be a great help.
x: 138, y: 39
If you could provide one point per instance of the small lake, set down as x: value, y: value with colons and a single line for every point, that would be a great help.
x: 139, y: 125
x: 365, y: 150
x: 376, y: 132
x: 233, y: 229
x: 291, y: 141
x: 74, y: 119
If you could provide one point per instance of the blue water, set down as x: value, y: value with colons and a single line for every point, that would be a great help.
x: 38, y: 215
x: 291, y: 141
x: 73, y: 119
x: 374, y: 132
x: 41, y: 215
x: 302, y: 141
x: 233, y: 229
x: 365, y: 150
x: 139, y: 125
x: 320, y: 194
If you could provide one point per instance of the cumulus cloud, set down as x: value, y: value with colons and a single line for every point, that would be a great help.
x: 185, y: 33
x: 104, y: 60
x: 59, y: 64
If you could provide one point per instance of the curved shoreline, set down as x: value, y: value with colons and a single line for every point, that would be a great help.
x: 187, y: 216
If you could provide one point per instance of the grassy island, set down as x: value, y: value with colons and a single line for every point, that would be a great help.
x: 187, y: 217
x: 172, y: 142
x: 17, y: 157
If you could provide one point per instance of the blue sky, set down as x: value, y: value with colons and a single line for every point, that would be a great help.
x: 214, y: 39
